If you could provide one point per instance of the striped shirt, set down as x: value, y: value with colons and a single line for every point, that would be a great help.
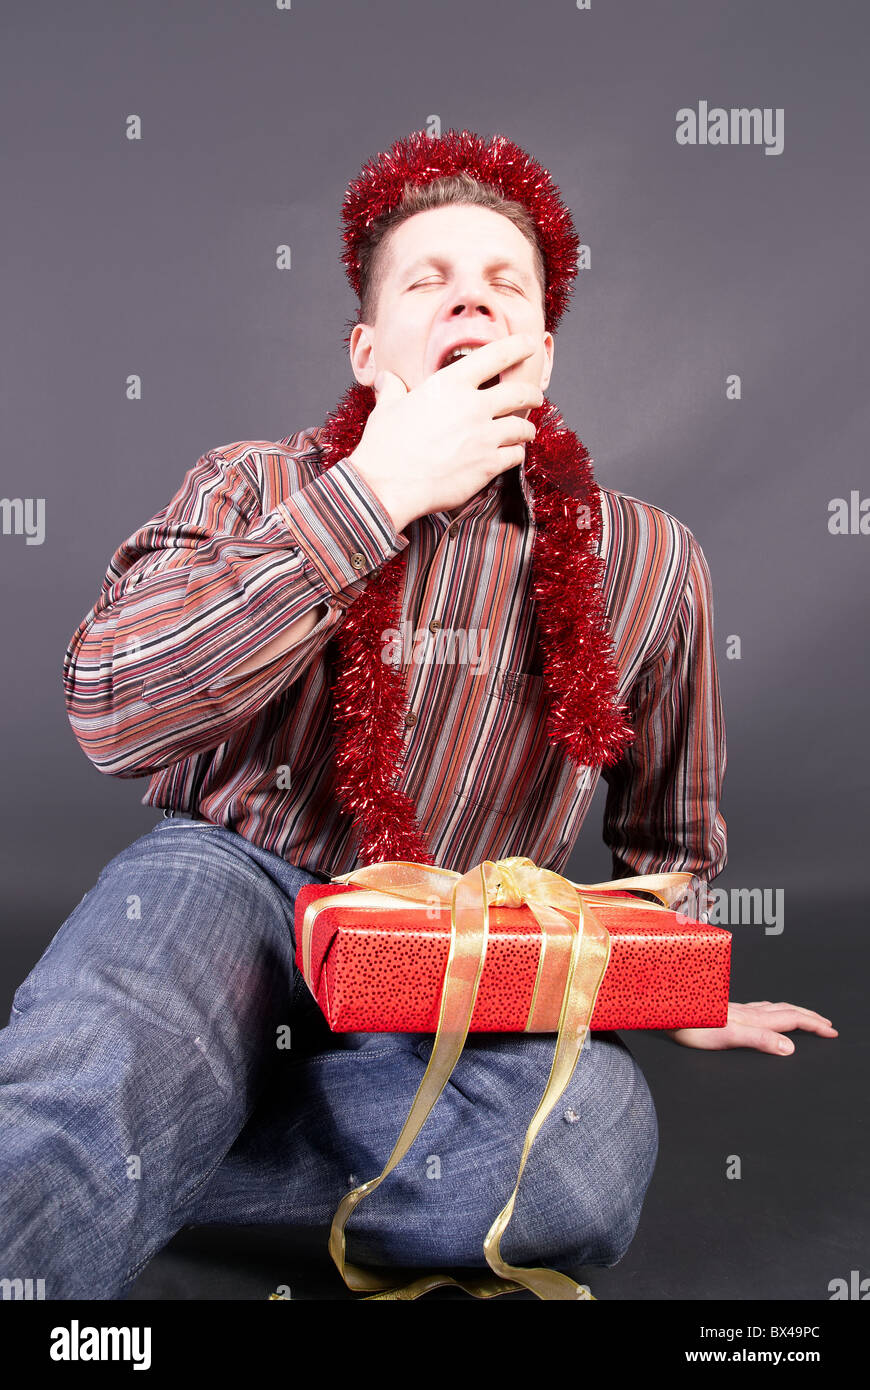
x: 260, y: 533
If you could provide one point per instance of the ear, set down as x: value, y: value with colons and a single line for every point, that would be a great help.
x: 549, y: 353
x: 362, y: 354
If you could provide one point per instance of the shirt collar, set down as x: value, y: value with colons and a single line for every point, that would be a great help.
x: 527, y: 491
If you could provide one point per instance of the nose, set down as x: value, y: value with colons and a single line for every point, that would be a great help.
x: 467, y: 305
x: 463, y: 306
x: 472, y: 296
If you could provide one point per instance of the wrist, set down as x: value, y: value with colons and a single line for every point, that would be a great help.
x: 397, y: 515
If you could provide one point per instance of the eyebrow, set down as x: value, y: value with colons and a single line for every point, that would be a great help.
x: 499, y: 263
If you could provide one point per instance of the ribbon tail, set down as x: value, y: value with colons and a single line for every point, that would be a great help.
x: 468, y: 941
x: 589, y: 959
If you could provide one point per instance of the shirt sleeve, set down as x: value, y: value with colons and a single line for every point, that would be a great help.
x: 201, y: 588
x: 662, y: 810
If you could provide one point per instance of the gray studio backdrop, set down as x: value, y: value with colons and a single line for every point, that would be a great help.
x: 157, y: 257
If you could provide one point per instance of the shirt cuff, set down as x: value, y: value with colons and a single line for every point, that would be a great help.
x: 341, y: 527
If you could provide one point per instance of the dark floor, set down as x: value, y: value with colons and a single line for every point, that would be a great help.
x: 796, y: 1219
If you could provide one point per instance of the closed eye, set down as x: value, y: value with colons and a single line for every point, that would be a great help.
x: 506, y: 283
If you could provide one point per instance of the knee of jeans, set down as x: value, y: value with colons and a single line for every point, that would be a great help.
x: 584, y: 1194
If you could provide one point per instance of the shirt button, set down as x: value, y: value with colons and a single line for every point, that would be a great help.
x: 410, y: 718
x: 358, y: 561
x: 434, y: 625
x: 452, y: 529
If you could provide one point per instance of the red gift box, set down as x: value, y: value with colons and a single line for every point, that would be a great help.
x: 374, y: 971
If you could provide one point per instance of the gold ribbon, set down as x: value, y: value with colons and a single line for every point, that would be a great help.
x: 574, y: 954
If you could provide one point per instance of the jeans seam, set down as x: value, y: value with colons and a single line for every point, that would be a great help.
x: 179, y: 1206
x: 336, y: 1052
x: 185, y: 1201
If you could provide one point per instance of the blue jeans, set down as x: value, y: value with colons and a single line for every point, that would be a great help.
x: 143, y: 1088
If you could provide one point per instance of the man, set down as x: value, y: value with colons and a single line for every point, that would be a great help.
x: 142, y: 1084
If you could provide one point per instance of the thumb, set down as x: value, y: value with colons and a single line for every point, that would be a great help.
x: 387, y: 386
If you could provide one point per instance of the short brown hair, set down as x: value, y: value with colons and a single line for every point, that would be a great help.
x: 440, y: 192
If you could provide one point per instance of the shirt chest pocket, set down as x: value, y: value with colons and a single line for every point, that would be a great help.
x: 509, y: 742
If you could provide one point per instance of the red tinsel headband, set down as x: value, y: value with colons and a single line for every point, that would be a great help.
x: 421, y: 158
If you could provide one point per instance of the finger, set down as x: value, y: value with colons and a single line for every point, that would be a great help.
x: 785, y: 1018
x: 808, y: 1025
x: 792, y: 1016
x: 388, y: 386
x: 513, y: 397
x: 799, y: 1008
x: 785, y: 1021
x: 765, y: 1040
x: 493, y: 358
x: 509, y: 456
x: 513, y: 429
x: 793, y: 1008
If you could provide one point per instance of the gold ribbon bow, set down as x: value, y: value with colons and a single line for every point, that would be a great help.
x: 575, y: 951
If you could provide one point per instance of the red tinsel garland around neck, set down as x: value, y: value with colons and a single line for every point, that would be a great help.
x: 578, y: 661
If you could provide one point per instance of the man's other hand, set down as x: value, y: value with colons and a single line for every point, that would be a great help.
x: 756, y: 1025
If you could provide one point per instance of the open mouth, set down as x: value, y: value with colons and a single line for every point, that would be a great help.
x: 463, y: 351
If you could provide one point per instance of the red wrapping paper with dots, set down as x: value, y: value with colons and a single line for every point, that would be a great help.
x: 382, y: 972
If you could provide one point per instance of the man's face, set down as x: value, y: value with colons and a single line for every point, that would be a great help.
x: 452, y: 273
